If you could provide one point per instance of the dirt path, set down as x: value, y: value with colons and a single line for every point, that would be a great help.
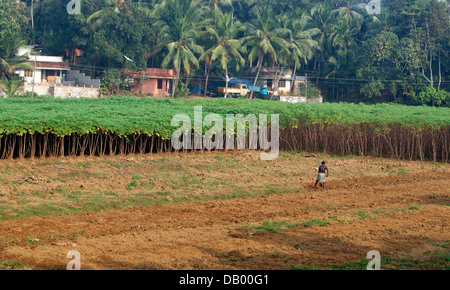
x: 394, y: 215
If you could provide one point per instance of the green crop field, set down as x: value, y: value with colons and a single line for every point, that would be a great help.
x: 128, y: 115
x: 37, y: 127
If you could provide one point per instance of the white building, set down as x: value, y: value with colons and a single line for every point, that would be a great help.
x: 52, y: 76
x: 47, y: 69
x: 270, y: 76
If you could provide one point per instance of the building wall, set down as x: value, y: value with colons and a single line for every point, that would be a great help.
x: 74, y: 92
x: 150, y: 87
x: 41, y: 74
x: 39, y: 89
x: 293, y: 99
x: 37, y: 76
x: 284, y: 86
x: 46, y: 58
x: 62, y: 91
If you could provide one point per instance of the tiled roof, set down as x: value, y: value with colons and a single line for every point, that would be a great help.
x: 50, y: 65
x: 152, y: 73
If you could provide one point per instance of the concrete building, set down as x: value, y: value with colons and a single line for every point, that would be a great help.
x: 157, y: 81
x: 268, y: 77
x: 52, y: 76
x: 47, y: 69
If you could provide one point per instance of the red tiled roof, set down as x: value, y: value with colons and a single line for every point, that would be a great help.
x: 152, y: 73
x: 50, y: 65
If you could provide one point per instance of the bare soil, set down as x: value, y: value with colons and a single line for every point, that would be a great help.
x: 400, y: 208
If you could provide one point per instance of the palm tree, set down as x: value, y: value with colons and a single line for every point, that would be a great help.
x: 11, y: 86
x: 322, y: 17
x: 349, y: 13
x: 215, y: 7
x: 264, y: 41
x: 10, y: 61
x: 343, y: 35
x: 242, y: 9
x: 343, y: 39
x: 96, y: 18
x: 383, y: 22
x: 149, y: 8
x: 299, y: 33
x: 179, y: 37
x: 226, y: 45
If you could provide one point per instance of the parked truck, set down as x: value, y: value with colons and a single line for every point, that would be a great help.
x: 237, y: 90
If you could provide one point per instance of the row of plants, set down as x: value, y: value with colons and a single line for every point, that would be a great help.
x: 111, y: 125
x: 127, y: 115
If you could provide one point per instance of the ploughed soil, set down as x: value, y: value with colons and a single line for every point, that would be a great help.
x: 399, y: 208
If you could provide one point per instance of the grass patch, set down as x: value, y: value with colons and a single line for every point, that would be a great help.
x: 75, y: 202
x: 277, y: 226
x: 430, y: 260
x: 272, y: 227
x: 315, y: 222
x: 31, y: 240
x: 12, y: 265
x: 362, y: 215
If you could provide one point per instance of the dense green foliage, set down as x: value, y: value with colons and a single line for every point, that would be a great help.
x: 400, y: 55
x: 129, y: 125
x: 127, y: 115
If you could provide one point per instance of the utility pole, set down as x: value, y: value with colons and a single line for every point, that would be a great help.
x: 306, y: 84
x: 32, y: 19
x: 32, y: 81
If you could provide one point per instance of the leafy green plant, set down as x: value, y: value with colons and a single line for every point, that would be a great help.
x: 31, y: 240
x: 114, y: 81
x: 315, y: 222
x: 272, y: 227
x: 181, y: 91
x: 433, y: 97
x: 11, y: 87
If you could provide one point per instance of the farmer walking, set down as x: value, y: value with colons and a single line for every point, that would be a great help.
x: 321, y: 176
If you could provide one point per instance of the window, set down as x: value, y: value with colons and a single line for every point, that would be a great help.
x: 282, y: 84
x: 160, y: 84
x: 28, y: 73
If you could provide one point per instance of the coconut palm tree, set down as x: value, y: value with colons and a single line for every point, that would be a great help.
x: 215, y: 7
x: 354, y: 14
x: 321, y: 14
x: 10, y: 61
x: 10, y: 87
x: 226, y: 45
x: 343, y: 35
x: 96, y: 18
x: 179, y: 37
x: 149, y: 8
x: 299, y: 33
x: 242, y: 9
x: 343, y: 39
x: 264, y: 41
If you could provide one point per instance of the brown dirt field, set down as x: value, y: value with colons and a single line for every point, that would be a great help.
x: 396, y: 207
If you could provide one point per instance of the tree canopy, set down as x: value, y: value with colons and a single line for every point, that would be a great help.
x: 400, y: 55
